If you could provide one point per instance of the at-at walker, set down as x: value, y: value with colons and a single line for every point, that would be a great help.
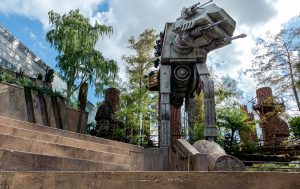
x: 183, y: 48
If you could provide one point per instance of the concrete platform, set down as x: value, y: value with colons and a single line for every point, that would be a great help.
x: 147, y: 180
x: 11, y: 160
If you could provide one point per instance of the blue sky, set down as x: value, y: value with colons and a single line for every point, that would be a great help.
x: 32, y: 34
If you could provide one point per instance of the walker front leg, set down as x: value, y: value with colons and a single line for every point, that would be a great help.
x: 165, y: 91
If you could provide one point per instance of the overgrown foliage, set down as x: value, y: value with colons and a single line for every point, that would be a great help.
x: 294, y: 123
x: 274, y: 167
x: 139, y: 64
x: 233, y: 121
x: 138, y: 106
x: 29, y: 84
x: 75, y: 38
x: 231, y: 118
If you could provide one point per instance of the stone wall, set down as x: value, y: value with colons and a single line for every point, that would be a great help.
x: 156, y: 159
x: 12, y: 102
x: 136, y: 159
x: 77, y: 120
x: 41, y: 109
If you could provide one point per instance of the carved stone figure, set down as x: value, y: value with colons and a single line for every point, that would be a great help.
x: 274, y: 129
x: 105, y: 116
x: 183, y: 50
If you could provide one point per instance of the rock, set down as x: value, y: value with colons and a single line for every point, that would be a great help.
x: 218, y: 160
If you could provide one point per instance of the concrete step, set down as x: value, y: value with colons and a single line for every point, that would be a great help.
x: 11, y: 160
x: 53, y: 149
x: 149, y: 180
x: 64, y: 133
x: 34, y: 135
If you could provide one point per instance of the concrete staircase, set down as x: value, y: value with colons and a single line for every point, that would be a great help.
x: 29, y: 147
x: 38, y: 157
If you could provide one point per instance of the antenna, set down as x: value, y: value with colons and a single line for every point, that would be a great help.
x: 205, y: 4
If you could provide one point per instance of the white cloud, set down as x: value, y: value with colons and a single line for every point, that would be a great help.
x: 131, y: 17
x: 37, y: 9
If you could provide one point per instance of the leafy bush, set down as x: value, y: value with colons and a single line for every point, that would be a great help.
x: 274, y: 167
x: 295, y: 126
x: 28, y: 84
x: 91, y: 129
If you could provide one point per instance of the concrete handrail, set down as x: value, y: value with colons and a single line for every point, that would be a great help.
x: 185, y: 157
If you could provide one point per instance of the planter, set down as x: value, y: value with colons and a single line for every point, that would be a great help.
x: 77, y: 120
x: 12, y: 102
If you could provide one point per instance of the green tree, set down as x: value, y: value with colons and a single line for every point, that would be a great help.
x: 232, y: 121
x: 141, y: 105
x: 298, y: 72
x: 226, y: 89
x: 294, y: 123
x: 139, y: 64
x: 74, y: 38
x: 227, y: 95
x: 273, y: 62
x: 197, y: 131
x: 128, y: 112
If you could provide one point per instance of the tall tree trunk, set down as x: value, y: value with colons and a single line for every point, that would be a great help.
x: 293, y: 83
x: 296, y: 97
x: 70, y: 84
x: 82, y: 96
x: 140, y: 107
x: 69, y: 89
